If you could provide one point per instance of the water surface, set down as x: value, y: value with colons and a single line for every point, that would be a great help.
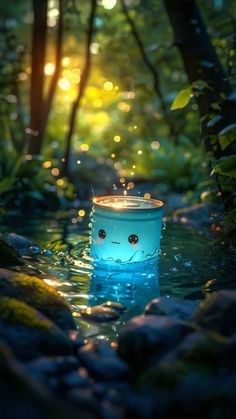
x: 190, y: 264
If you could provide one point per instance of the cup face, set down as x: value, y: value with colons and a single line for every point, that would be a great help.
x: 126, y: 234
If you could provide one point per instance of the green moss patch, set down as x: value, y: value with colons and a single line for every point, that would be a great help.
x: 17, y: 312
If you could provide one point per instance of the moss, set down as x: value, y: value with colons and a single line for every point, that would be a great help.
x: 31, y: 290
x: 17, y: 312
x: 9, y: 254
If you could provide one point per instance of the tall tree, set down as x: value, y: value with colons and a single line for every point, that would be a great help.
x: 37, y: 74
x: 40, y: 103
x: 82, y: 85
x: 201, y: 62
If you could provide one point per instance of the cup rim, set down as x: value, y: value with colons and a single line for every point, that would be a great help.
x: 98, y: 202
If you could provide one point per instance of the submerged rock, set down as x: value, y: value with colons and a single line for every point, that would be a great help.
x: 28, y: 332
x: 9, y: 255
x: 144, y: 339
x: 36, y: 293
x: 99, y: 314
x: 115, y: 306
x: 173, y: 307
x: 102, y: 361
x: 218, y: 312
x: 21, y: 243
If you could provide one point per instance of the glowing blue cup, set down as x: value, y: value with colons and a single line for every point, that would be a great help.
x: 125, y: 229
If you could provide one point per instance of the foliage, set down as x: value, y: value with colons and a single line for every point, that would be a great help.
x: 24, y: 180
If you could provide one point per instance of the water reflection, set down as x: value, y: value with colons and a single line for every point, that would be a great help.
x: 133, y: 286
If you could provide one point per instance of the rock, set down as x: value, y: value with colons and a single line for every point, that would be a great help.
x: 144, y: 339
x: 99, y: 314
x: 9, y: 255
x: 36, y: 293
x: 115, y: 306
x: 218, y: 312
x: 174, y: 307
x: 102, y: 361
x: 21, y: 396
x: 197, y: 216
x: 21, y: 243
x: 44, y: 367
x: 28, y: 332
x: 74, y: 379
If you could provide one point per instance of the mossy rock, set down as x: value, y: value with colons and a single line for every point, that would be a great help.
x: 9, y: 255
x: 28, y: 332
x: 218, y: 312
x: 37, y: 294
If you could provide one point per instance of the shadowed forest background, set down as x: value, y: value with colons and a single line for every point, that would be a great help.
x: 100, y: 94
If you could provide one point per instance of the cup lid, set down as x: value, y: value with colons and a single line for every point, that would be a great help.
x: 126, y: 203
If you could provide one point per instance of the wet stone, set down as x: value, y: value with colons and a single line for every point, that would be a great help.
x: 102, y: 361
x: 218, y: 312
x: 144, y: 339
x: 99, y: 314
x: 74, y: 379
x: 173, y: 307
x: 115, y: 306
x: 21, y: 243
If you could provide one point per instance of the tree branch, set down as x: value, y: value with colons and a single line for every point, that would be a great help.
x: 82, y: 85
x: 152, y: 69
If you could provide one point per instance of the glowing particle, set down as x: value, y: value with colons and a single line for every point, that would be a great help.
x: 113, y: 155
x: 94, y: 47
x: 122, y: 180
x: 125, y: 193
x: 134, y: 167
x: 28, y: 157
x: 130, y: 185
x: 60, y: 182
x: 64, y: 84
x: 23, y: 76
x: 81, y: 213
x: 49, y: 69
x: 84, y: 147
x: 155, y: 145
x: 147, y: 195
x: 140, y: 152
x: 124, y: 107
x: 65, y: 61
x: 47, y: 164
x: 74, y: 220
x: 108, y: 86
x: 55, y: 171
x: 132, y: 173
x: 108, y: 4
x: 117, y: 138
x: 78, y: 162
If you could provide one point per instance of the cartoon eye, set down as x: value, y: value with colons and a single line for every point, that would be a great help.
x: 102, y: 234
x: 133, y: 239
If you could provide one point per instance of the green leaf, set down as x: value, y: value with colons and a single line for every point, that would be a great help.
x: 231, y: 216
x: 227, y: 167
x: 227, y: 136
x: 6, y: 184
x: 182, y: 99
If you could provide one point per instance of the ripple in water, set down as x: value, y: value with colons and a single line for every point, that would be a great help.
x: 188, y: 260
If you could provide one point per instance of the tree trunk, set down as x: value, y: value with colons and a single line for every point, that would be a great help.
x: 37, y: 75
x: 82, y: 85
x: 201, y: 63
x: 52, y: 88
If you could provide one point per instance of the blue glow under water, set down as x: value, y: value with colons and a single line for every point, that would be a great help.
x: 189, y: 259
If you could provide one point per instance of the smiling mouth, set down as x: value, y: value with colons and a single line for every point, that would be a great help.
x: 116, y: 242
